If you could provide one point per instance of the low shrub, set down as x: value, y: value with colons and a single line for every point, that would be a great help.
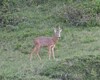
x: 77, y: 68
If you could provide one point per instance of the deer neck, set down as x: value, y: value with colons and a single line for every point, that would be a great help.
x: 55, y: 39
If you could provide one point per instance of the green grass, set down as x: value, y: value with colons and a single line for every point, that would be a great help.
x: 75, y: 43
x: 77, y: 52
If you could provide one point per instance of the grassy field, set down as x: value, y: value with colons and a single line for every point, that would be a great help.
x: 77, y: 52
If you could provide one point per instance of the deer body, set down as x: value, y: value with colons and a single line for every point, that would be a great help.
x: 45, y: 41
x: 48, y: 42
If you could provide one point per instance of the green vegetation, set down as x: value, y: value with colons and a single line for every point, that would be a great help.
x: 77, y: 52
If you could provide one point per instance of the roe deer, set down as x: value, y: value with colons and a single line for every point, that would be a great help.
x: 49, y: 42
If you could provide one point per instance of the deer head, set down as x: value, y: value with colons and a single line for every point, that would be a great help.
x: 57, y: 32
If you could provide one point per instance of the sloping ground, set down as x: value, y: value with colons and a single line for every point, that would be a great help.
x: 77, y: 52
x: 76, y: 68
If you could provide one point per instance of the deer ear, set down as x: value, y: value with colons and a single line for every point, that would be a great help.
x: 54, y: 30
x: 59, y: 28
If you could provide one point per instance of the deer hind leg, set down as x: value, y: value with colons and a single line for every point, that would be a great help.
x: 37, y: 52
x: 33, y: 50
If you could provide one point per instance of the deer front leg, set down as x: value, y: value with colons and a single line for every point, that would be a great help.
x: 52, y: 49
x: 49, y: 52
